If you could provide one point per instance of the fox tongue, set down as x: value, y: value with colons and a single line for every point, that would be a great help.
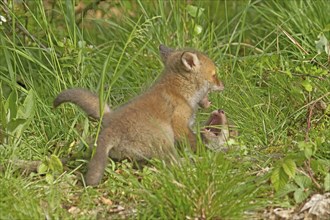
x: 212, y: 122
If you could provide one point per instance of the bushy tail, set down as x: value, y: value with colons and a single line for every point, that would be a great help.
x: 85, y: 99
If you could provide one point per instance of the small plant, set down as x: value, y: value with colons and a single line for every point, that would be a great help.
x: 15, y: 117
x: 195, y: 13
x: 50, y: 167
x: 299, y: 173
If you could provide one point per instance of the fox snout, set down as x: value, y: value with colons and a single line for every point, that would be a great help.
x: 221, y: 111
x: 217, y: 84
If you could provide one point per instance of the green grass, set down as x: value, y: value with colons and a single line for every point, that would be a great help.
x: 266, y: 56
x: 210, y: 187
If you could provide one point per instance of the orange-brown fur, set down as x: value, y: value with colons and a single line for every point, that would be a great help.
x: 149, y: 125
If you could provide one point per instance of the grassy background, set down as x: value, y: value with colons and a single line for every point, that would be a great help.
x: 267, y: 57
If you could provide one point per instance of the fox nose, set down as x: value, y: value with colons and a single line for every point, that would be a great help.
x: 221, y: 111
x: 219, y: 86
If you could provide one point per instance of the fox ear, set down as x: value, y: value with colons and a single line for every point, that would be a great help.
x: 165, y: 52
x: 190, y: 61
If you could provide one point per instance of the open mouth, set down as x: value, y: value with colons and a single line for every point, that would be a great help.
x: 214, y: 130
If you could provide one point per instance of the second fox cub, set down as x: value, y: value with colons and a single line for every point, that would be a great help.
x: 149, y: 125
x: 218, y: 131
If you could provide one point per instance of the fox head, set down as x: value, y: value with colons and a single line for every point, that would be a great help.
x: 217, y: 118
x: 191, y: 62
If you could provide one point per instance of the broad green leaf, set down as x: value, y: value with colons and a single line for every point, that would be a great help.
x: 308, y: 152
x: 279, y: 178
x: 288, y: 188
x: 320, y: 166
x: 55, y: 164
x: 26, y: 111
x: 322, y: 44
x: 28, y: 106
x: 289, y: 167
x: 194, y: 11
x: 300, y: 195
x: 307, y: 148
x: 11, y: 105
x: 307, y: 85
x: 301, y: 145
x: 42, y: 169
x: 79, y: 57
x: 81, y: 44
x: 327, y: 182
x: 49, y: 178
x: 14, y: 123
x: 288, y: 72
x: 60, y: 44
x: 303, y: 181
x: 198, y: 29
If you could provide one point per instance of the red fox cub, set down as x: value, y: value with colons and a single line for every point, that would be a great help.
x: 149, y: 125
